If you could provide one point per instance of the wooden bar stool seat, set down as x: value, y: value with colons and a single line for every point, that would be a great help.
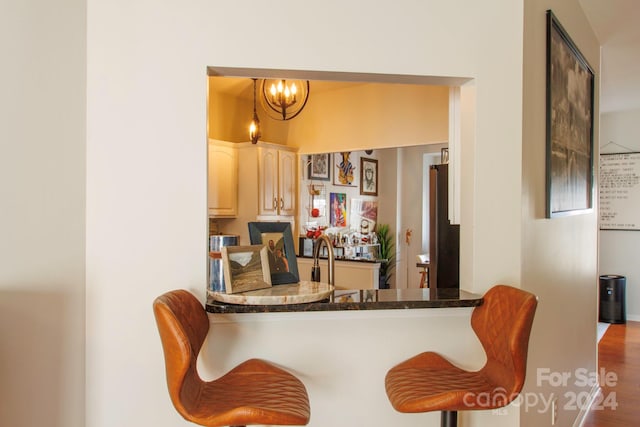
x: 429, y: 382
x: 254, y: 392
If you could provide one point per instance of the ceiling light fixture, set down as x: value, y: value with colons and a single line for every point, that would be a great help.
x: 282, y: 99
x: 254, y: 127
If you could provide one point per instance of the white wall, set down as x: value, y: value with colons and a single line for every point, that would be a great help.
x: 146, y: 177
x: 619, y: 249
x: 559, y: 256
x: 42, y: 220
x: 146, y: 207
x: 146, y: 168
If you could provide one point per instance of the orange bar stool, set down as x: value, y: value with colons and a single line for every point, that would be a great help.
x: 254, y: 392
x: 429, y: 382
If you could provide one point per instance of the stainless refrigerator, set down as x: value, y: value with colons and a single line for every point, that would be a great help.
x: 444, y: 238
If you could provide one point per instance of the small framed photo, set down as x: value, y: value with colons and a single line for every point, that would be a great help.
x: 277, y: 238
x: 319, y: 167
x: 246, y: 268
x: 368, y: 177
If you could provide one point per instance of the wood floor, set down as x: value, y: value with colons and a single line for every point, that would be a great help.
x: 619, y: 352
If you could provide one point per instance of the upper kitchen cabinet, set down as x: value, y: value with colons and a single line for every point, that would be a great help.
x: 277, y: 181
x: 223, y: 180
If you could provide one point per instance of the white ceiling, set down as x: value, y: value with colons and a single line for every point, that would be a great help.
x: 617, y: 26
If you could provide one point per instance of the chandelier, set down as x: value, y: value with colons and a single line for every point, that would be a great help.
x: 254, y: 127
x: 282, y: 99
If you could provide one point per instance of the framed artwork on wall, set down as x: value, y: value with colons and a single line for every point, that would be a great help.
x: 338, y: 209
x: 368, y: 177
x: 319, y: 166
x: 344, y: 169
x: 569, y: 139
x: 281, y: 256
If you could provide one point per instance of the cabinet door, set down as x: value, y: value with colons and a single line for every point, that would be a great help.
x: 268, y: 181
x: 223, y: 181
x: 287, y: 182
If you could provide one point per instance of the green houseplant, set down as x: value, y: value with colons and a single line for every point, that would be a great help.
x: 387, y: 254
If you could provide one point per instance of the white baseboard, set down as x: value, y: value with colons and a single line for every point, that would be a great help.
x: 634, y: 317
x: 582, y: 415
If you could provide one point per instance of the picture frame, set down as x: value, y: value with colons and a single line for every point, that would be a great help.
x: 368, y: 176
x: 338, y: 209
x: 344, y: 171
x: 569, y: 122
x: 319, y: 167
x: 364, y: 217
x: 245, y: 268
x: 277, y: 238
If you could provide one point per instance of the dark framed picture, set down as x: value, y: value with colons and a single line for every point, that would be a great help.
x: 344, y: 170
x: 278, y: 241
x: 246, y: 268
x: 368, y: 177
x: 570, y: 88
x: 319, y: 166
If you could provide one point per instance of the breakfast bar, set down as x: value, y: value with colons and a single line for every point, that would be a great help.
x: 342, y: 346
x: 359, y: 299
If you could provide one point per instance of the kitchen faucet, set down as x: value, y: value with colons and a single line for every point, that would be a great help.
x: 315, y: 270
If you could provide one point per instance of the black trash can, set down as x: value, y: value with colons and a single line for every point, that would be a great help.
x: 612, y: 299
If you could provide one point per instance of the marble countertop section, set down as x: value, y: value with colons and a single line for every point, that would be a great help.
x: 362, y: 299
x: 298, y: 293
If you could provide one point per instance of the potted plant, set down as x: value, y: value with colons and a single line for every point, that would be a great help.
x: 387, y: 255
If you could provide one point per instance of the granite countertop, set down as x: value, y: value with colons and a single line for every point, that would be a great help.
x: 363, y: 299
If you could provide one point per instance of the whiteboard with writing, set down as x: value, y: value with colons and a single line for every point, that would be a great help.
x: 620, y: 191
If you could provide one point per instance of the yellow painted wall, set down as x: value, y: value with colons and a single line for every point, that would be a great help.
x: 349, y: 117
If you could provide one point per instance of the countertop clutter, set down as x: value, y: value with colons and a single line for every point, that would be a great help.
x: 361, y: 299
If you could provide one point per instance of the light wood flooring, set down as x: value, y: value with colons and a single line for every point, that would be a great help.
x: 619, y: 352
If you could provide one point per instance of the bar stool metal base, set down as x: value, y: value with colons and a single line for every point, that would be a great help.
x: 449, y: 419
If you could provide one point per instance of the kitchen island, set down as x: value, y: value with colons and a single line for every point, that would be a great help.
x: 342, y: 347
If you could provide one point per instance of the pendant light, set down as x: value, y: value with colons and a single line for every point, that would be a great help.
x: 254, y: 127
x: 282, y: 99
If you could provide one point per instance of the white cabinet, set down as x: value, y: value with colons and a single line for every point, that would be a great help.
x: 249, y: 189
x: 277, y: 181
x: 223, y: 180
x: 348, y: 274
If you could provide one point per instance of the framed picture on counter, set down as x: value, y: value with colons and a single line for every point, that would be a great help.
x: 245, y: 268
x: 277, y: 238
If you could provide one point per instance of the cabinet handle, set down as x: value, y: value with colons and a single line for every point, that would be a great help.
x: 275, y: 203
x: 281, y: 203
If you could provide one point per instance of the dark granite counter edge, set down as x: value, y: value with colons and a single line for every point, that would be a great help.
x: 326, y: 305
x: 343, y: 259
